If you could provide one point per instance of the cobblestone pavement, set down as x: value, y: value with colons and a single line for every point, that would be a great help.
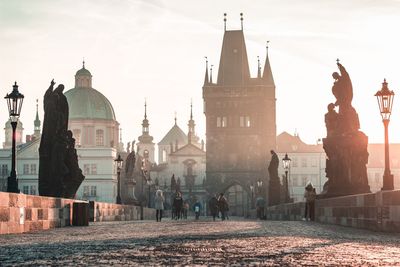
x: 234, y: 242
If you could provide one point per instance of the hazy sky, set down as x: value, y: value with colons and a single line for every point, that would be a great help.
x: 155, y: 50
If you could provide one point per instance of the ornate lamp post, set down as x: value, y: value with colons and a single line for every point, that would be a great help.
x: 259, y: 185
x: 385, y: 102
x: 14, y: 101
x: 286, y: 166
x: 119, y: 161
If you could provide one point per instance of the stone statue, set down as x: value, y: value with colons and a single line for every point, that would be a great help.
x: 173, y: 183
x: 274, y: 182
x: 345, y: 145
x: 59, y: 172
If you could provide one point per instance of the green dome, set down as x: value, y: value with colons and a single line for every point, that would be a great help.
x: 88, y: 103
x: 83, y: 72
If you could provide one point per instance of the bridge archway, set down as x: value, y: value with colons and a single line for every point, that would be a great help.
x: 239, y: 199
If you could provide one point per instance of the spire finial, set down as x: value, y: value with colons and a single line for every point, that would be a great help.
x: 224, y: 21
x: 206, y: 80
x: 175, y: 118
x: 337, y: 61
x: 211, y: 73
x: 191, y: 108
x: 37, y: 105
x: 83, y: 63
x: 267, y: 47
x: 258, y: 67
x: 241, y: 20
x: 145, y: 108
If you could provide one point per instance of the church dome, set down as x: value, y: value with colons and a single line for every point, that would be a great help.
x: 88, y: 103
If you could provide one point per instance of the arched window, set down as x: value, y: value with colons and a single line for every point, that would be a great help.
x: 99, y: 138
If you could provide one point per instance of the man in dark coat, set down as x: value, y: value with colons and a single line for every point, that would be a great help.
x: 178, y: 204
x: 213, y: 205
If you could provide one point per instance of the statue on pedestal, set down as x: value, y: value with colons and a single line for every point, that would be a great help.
x: 345, y: 145
x: 274, y: 182
x: 59, y: 172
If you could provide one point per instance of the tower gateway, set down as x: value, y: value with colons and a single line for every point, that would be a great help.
x: 240, y: 125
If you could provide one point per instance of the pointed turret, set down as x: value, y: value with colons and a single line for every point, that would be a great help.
x: 258, y: 67
x: 267, y: 75
x: 145, y: 137
x: 191, y: 125
x: 206, y: 80
x: 211, y: 80
x: 36, y: 123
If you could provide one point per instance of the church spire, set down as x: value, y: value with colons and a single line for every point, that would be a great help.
x: 145, y: 137
x: 37, y: 123
x: 206, y: 80
x: 267, y: 75
x: 211, y: 81
x: 191, y: 125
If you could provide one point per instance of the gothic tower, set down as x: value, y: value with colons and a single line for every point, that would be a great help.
x: 240, y: 118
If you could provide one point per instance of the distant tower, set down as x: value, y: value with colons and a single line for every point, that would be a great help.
x: 146, y: 146
x: 8, y: 134
x: 36, y: 123
x: 240, y: 118
x: 192, y: 138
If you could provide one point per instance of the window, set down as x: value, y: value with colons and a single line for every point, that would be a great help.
x: 86, y: 191
x: 33, y: 189
x: 25, y: 189
x: 244, y: 121
x: 303, y: 162
x: 86, y: 169
x: 33, y: 169
x: 77, y: 136
x: 164, y: 155
x: 26, y: 169
x: 93, y: 169
x: 4, y: 170
x: 93, y: 191
x: 222, y: 122
x: 99, y: 137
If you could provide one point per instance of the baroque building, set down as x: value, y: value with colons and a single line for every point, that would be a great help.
x: 240, y: 122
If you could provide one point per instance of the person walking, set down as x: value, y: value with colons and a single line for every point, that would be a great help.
x: 310, y: 196
x: 159, y: 204
x: 223, y: 206
x: 197, y: 209
x: 178, y: 204
x: 260, y: 205
x: 213, y: 204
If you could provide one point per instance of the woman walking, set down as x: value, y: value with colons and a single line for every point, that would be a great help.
x: 159, y: 204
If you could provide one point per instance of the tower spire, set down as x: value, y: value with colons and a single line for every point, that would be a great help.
x: 191, y: 109
x: 145, y: 109
x: 175, y: 119
x: 191, y: 125
x: 83, y: 63
x: 267, y: 75
x: 241, y: 20
x: 258, y: 67
x: 36, y: 123
x: 224, y: 21
x: 206, y: 80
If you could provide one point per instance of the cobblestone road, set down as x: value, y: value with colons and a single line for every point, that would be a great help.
x: 234, y: 243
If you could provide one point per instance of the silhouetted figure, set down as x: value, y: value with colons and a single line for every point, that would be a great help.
x: 178, y: 203
x: 173, y: 183
x: 59, y: 173
x: 197, y: 209
x: 274, y: 182
x: 310, y: 196
x: 213, y: 206
x: 223, y: 206
x: 331, y: 120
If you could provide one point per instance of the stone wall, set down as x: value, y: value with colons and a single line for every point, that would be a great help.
x: 100, y: 211
x: 377, y: 211
x: 25, y: 213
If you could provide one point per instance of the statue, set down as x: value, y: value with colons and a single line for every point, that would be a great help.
x: 173, y: 183
x: 130, y: 171
x: 59, y: 172
x: 345, y: 145
x: 274, y: 182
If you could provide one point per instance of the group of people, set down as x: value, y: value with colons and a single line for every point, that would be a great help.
x: 179, y: 210
x: 219, y: 205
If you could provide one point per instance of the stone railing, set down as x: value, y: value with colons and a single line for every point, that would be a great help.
x: 100, y: 211
x: 376, y: 211
x: 25, y: 213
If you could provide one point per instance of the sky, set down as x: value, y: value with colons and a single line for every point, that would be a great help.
x: 155, y: 50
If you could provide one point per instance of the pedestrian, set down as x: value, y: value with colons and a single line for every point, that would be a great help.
x: 178, y: 203
x: 213, y: 204
x: 223, y: 206
x: 185, y: 209
x: 260, y: 205
x: 310, y: 196
x: 159, y: 204
x: 197, y: 209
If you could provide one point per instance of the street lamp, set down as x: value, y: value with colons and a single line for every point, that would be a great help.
x: 286, y: 165
x: 14, y: 102
x: 259, y: 185
x: 385, y: 102
x: 119, y: 161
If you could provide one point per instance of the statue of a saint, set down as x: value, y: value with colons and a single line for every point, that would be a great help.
x: 342, y: 88
x: 331, y: 120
